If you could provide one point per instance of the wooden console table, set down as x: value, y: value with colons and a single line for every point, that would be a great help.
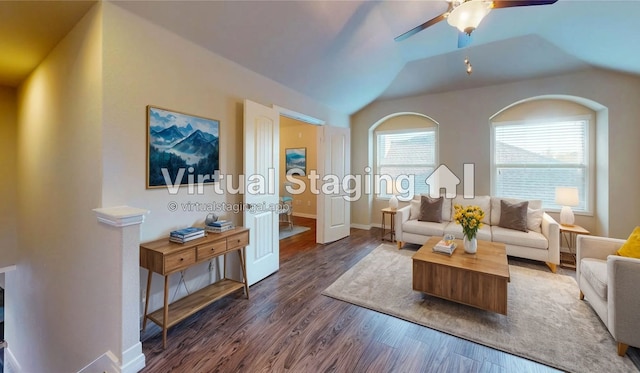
x: 165, y: 257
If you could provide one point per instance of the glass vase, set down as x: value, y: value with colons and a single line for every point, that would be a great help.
x: 470, y: 245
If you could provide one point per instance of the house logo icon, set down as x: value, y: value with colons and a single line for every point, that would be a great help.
x: 444, y: 178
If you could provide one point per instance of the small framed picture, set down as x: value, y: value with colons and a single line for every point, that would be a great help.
x: 296, y: 161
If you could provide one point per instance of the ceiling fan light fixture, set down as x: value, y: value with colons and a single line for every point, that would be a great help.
x: 468, y: 15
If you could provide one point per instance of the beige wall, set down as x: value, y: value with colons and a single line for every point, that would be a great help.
x: 464, y: 132
x: 62, y: 296
x: 296, y: 134
x: 8, y: 189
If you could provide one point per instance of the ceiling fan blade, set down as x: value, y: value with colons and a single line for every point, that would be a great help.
x: 464, y: 39
x: 423, y: 26
x: 514, y: 3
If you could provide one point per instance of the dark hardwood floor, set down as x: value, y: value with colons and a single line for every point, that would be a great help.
x: 287, y: 325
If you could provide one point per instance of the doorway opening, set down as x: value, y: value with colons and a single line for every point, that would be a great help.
x: 298, y: 149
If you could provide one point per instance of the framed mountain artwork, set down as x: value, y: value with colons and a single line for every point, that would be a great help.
x: 296, y: 161
x: 182, y: 148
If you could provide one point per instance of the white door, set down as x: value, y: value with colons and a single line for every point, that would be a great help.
x: 261, y: 157
x: 334, y: 209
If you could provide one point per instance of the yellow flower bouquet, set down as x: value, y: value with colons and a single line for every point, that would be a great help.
x: 470, y: 217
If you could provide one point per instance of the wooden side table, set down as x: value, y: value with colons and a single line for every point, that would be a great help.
x: 392, y: 232
x: 569, y: 233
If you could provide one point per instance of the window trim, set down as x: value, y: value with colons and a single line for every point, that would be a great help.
x: 590, y: 148
x: 433, y: 128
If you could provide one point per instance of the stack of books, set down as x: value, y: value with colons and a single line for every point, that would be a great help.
x: 219, y: 226
x: 186, y: 234
x: 445, y: 247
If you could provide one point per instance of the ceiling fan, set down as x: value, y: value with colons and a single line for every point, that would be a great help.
x: 466, y: 15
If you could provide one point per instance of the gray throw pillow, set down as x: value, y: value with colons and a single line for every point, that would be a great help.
x: 431, y: 209
x: 514, y: 215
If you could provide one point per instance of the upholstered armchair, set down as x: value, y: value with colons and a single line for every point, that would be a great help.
x: 611, y: 284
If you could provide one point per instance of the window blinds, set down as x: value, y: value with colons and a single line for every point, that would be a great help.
x: 410, y: 152
x: 532, y: 159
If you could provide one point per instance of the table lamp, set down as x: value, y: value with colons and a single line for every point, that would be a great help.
x: 567, y: 197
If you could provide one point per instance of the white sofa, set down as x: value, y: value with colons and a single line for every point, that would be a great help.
x: 541, y: 242
x: 610, y: 284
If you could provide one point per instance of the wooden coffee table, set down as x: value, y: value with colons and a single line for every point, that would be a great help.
x: 478, y: 280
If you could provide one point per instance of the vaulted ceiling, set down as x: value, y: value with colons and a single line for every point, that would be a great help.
x: 342, y: 53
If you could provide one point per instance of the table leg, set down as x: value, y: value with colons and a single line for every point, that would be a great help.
x: 241, y: 254
x: 146, y: 301
x: 567, y: 240
x: 383, y: 226
x: 393, y: 228
x: 165, y: 321
x: 570, y: 240
x: 572, y: 247
x: 224, y: 263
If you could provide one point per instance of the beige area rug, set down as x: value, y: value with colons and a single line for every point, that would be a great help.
x: 546, y: 321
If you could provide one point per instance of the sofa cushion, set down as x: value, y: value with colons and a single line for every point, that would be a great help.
x: 631, y: 247
x: 534, y: 204
x: 484, y: 202
x: 534, y: 219
x: 414, y: 211
x: 514, y: 215
x: 484, y: 233
x: 594, y: 272
x: 447, y: 206
x: 425, y: 228
x: 430, y: 209
x: 512, y: 237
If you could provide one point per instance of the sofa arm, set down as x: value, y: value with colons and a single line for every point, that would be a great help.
x: 623, y: 297
x: 402, y: 216
x: 551, y: 230
x: 596, y: 247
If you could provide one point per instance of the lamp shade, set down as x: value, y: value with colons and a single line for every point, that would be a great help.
x: 467, y: 16
x: 567, y: 196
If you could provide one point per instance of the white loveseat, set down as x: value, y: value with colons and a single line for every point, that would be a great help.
x: 541, y: 242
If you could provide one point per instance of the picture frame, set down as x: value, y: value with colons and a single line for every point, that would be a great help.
x: 296, y: 161
x: 185, y: 146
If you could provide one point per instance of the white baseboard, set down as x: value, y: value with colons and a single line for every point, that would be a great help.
x: 365, y: 227
x: 11, y: 365
x: 133, y: 362
x: 303, y: 215
x: 133, y: 359
x: 107, y: 363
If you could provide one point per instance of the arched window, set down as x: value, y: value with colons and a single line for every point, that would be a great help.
x: 534, y: 156
x: 405, y: 147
